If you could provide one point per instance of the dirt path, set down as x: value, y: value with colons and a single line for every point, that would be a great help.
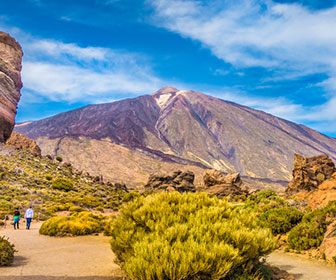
x: 90, y: 258
x: 49, y: 258
x: 302, y: 269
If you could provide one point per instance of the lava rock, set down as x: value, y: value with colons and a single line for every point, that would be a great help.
x: 221, y: 185
x: 178, y: 181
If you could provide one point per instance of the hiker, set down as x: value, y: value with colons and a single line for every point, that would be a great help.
x: 28, y: 216
x: 16, y: 218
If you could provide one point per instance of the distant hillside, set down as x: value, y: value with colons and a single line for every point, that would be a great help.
x: 50, y: 186
x: 131, y: 138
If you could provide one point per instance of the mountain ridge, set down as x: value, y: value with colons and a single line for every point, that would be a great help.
x: 189, y: 127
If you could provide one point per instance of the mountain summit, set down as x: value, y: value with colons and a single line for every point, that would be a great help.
x: 174, y: 126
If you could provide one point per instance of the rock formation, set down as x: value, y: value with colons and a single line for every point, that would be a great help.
x: 328, y: 246
x: 309, y: 173
x: 22, y: 142
x: 223, y: 185
x: 178, y: 181
x: 10, y: 83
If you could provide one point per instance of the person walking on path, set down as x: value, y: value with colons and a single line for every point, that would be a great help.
x: 28, y: 216
x: 16, y: 218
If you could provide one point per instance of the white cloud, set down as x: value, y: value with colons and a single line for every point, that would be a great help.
x: 245, y: 33
x: 68, y: 72
x: 288, y: 38
x: 55, y: 48
x: 72, y: 83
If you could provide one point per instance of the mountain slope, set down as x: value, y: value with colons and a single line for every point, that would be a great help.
x: 188, y: 127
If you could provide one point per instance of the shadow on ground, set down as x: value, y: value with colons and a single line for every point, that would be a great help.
x: 19, y: 261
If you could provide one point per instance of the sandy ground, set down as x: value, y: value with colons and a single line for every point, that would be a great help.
x: 90, y: 258
x: 50, y: 258
x: 301, y: 268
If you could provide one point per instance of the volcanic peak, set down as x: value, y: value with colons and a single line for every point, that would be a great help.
x: 166, y: 94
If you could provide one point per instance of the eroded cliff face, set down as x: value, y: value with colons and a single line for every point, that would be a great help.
x: 10, y: 83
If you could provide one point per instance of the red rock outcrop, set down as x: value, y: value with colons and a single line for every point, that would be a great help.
x: 309, y: 173
x: 319, y: 198
x: 223, y: 185
x: 22, y: 142
x: 10, y: 83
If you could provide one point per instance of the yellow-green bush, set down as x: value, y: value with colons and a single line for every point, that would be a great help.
x: 188, y: 236
x: 78, y: 224
x: 59, y: 159
x: 76, y: 209
x: 48, y: 177
x: 263, y: 201
x: 109, y: 221
x: 62, y: 185
x: 130, y: 196
x: 6, y: 252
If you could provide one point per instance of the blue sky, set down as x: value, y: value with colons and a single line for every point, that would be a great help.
x: 277, y: 56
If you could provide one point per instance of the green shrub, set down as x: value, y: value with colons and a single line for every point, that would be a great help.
x: 6, y: 252
x: 263, y: 201
x: 305, y: 236
x: 79, y: 224
x: 264, y: 196
x: 322, y: 213
x: 130, y: 196
x: 62, y: 185
x: 59, y: 159
x: 310, y: 232
x: 334, y: 259
x: 187, y: 236
x: 281, y: 220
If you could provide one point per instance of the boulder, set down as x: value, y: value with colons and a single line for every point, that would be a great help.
x: 178, y: 181
x: 10, y: 83
x: 310, y: 172
x: 20, y: 141
x: 221, y: 185
x: 328, y: 246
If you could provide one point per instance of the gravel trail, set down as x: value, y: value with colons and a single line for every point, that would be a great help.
x: 301, y: 268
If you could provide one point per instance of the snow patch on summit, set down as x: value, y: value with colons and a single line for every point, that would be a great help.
x: 162, y: 99
x: 165, y: 98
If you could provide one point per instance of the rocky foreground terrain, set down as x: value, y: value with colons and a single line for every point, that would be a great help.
x: 129, y: 139
x: 10, y: 83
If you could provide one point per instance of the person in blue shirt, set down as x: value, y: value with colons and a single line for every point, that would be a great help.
x: 16, y: 218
